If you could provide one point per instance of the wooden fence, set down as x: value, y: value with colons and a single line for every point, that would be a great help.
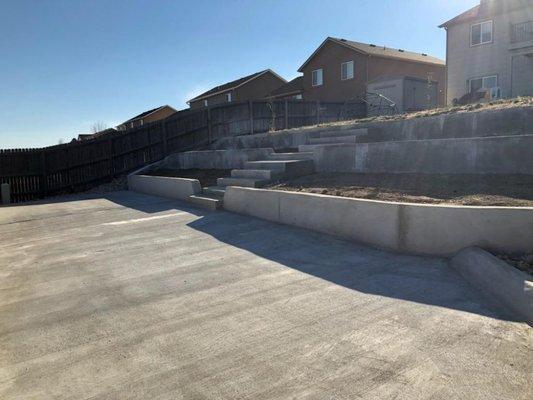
x: 79, y: 165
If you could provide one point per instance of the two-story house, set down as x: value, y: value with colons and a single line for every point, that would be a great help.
x: 252, y: 87
x: 341, y: 69
x: 491, y: 46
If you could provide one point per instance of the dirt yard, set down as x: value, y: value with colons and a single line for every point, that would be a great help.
x: 207, y: 177
x: 491, y: 190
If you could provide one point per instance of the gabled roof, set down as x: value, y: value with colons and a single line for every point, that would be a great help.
x: 377, y: 51
x: 487, y: 9
x: 233, y: 85
x: 294, y: 86
x: 146, y: 113
x: 466, y: 16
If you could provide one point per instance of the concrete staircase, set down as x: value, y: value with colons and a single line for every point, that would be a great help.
x: 336, y: 137
x: 257, y: 174
x: 277, y: 166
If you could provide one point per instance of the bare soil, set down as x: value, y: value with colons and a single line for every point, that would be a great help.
x: 461, y: 189
x: 522, y: 262
x: 207, y: 177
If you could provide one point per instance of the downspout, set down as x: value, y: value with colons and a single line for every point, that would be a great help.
x: 446, y: 68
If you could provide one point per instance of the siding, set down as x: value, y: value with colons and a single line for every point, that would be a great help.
x: 366, y: 68
x: 465, y: 62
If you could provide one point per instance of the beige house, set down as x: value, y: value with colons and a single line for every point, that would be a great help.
x: 490, y: 49
x: 152, y: 115
x: 251, y: 87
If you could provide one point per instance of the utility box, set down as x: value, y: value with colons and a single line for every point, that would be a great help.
x: 401, y: 94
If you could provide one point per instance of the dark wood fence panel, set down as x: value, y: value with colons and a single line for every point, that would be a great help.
x: 76, y: 166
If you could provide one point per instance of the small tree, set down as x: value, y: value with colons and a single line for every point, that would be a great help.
x: 98, y: 127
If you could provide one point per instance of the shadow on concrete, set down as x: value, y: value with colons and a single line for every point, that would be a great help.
x: 422, y: 280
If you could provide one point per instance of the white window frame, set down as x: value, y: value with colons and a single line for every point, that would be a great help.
x: 206, y: 103
x: 142, y: 122
x: 480, y: 24
x: 347, y: 63
x: 317, y: 83
x: 482, y: 81
x: 228, y: 97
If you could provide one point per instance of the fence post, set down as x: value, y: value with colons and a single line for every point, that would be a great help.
x: 6, y: 193
x: 44, y: 176
x: 165, y: 139
x: 251, y: 111
x: 208, y: 124
x: 318, y: 112
x: 111, y: 159
x: 286, y: 114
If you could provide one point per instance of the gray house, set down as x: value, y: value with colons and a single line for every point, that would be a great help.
x: 490, y: 47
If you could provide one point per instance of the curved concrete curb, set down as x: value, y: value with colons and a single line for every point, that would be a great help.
x: 411, y: 228
x: 511, y: 287
x: 172, y: 188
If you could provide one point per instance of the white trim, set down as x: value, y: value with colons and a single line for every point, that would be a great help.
x: 317, y: 80
x: 481, y: 32
x: 228, y: 97
x: 347, y: 70
x: 469, y: 82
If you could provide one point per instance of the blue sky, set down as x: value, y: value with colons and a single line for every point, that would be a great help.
x: 66, y: 64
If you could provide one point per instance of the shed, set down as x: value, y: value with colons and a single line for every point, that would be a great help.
x: 408, y: 93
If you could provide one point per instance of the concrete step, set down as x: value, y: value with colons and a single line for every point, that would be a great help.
x: 344, y: 132
x: 313, y: 147
x: 206, y: 201
x: 291, y: 156
x: 333, y: 139
x: 257, y: 173
x: 214, y: 191
x: 244, y: 182
x: 291, y: 168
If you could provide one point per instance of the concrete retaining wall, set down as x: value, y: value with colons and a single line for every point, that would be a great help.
x: 504, y: 122
x: 511, y: 287
x: 172, y: 188
x: 410, y: 228
x: 335, y: 158
x: 491, y: 155
x: 215, y: 159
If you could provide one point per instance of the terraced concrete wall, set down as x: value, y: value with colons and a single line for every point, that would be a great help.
x: 215, y: 159
x: 410, y: 228
x: 489, y: 155
x: 504, y: 122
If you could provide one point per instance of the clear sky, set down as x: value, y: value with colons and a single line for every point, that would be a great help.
x: 67, y: 64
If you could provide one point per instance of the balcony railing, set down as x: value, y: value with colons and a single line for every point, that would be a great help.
x: 522, y: 32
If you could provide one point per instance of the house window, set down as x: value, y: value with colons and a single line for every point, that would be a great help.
x: 481, y: 33
x: 485, y: 82
x: 347, y: 70
x: 298, y: 97
x: 228, y: 97
x: 317, y: 77
x: 206, y: 103
x: 142, y: 122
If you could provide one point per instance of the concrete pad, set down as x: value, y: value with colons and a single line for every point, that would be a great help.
x: 137, y: 297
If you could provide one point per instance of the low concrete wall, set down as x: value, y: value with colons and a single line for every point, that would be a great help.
x: 410, y: 228
x: 172, y: 188
x: 215, y: 159
x: 335, y: 158
x: 511, y: 287
x: 490, y: 155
